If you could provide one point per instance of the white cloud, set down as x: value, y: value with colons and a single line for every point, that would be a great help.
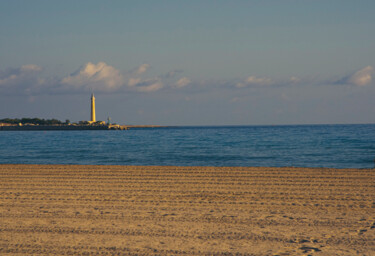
x: 6, y: 80
x: 150, y: 87
x: 255, y: 81
x: 13, y: 76
x: 182, y: 82
x: 142, y: 69
x: 362, y: 77
x: 97, y: 77
x: 134, y: 81
x: 23, y: 80
x: 294, y: 80
x: 30, y: 67
x: 145, y: 85
x: 258, y: 81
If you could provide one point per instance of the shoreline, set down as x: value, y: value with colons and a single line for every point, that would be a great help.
x: 163, y: 210
x: 75, y: 127
x: 190, y: 166
x: 300, y: 168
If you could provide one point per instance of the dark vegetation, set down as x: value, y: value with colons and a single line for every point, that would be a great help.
x: 38, y: 121
x: 31, y: 121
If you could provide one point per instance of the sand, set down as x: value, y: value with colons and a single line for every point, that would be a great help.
x: 141, y: 210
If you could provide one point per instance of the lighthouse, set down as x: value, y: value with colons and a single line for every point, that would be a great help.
x: 93, y: 118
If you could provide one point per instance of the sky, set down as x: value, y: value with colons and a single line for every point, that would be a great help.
x: 189, y: 62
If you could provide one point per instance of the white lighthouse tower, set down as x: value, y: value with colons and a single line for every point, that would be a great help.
x: 93, y: 117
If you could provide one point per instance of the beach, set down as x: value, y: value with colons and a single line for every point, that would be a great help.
x: 168, y: 210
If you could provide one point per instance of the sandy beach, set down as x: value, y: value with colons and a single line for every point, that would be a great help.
x: 142, y: 210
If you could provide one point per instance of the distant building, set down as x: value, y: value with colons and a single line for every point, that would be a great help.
x: 7, y: 124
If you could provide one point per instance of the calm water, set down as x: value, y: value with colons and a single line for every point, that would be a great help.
x: 340, y: 146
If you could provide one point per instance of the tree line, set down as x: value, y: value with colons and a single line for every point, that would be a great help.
x: 36, y: 121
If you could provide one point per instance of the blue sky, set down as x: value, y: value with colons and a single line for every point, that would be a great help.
x: 189, y: 62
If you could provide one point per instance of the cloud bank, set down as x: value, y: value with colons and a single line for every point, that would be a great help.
x: 102, y: 77
x: 360, y: 78
x: 90, y: 77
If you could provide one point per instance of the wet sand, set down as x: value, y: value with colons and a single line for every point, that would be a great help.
x: 141, y: 210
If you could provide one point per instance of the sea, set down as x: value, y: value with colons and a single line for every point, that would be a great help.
x: 331, y: 146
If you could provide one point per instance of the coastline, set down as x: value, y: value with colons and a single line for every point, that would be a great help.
x: 74, y: 127
x: 57, y: 209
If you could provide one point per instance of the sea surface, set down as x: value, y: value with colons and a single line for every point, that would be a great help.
x: 337, y: 146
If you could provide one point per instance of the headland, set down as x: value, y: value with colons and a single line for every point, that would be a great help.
x: 36, y: 124
x: 72, y: 127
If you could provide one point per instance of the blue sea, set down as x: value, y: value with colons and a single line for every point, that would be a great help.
x: 337, y: 146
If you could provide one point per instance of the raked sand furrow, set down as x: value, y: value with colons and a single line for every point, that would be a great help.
x: 143, y: 210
